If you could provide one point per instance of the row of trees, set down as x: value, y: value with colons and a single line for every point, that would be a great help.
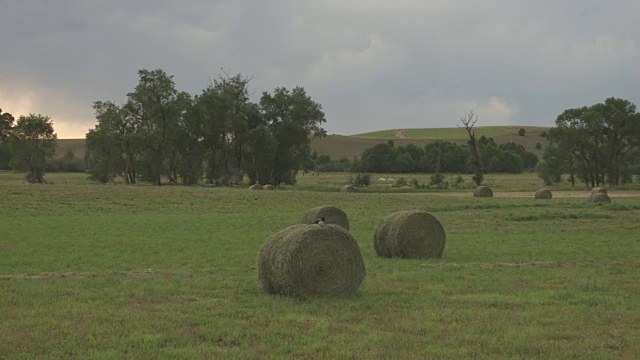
x: 594, y: 144
x: 445, y: 157
x: 26, y: 145
x: 219, y: 134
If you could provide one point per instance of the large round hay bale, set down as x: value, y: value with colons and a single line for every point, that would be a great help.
x: 311, y: 260
x: 256, y: 187
x: 483, y: 191
x: 348, y: 188
x: 599, y: 190
x: 409, y: 234
x: 269, y: 187
x: 543, y: 194
x: 330, y: 214
x: 599, y: 198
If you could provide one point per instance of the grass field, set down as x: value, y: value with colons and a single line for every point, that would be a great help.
x: 111, y: 271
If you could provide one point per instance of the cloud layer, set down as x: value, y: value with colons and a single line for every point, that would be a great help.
x: 371, y: 64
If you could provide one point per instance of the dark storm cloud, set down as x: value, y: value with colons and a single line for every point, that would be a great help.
x: 371, y: 64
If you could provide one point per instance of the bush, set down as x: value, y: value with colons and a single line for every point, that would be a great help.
x: 400, y: 182
x: 436, y: 179
x: 522, y: 131
x: 361, y: 180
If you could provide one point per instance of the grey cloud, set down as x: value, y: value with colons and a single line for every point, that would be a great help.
x: 371, y: 64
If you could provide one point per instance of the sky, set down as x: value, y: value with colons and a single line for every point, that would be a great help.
x: 371, y: 64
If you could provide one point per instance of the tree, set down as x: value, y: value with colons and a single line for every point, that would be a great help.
x: 469, y: 120
x: 6, y: 125
x: 522, y: 131
x: 158, y: 107
x: 293, y: 118
x: 32, y: 141
x: 598, y: 137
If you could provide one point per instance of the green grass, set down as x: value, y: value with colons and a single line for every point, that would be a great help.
x: 107, y: 272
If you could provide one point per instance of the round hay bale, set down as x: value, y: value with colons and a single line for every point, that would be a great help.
x: 331, y: 215
x: 599, y: 190
x: 269, y: 187
x: 482, y: 191
x: 599, y: 198
x: 348, y: 188
x: 311, y: 260
x: 409, y: 234
x: 543, y: 194
x: 256, y: 187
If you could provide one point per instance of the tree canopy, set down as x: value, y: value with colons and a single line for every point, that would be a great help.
x: 32, y: 141
x: 592, y: 142
x: 219, y: 134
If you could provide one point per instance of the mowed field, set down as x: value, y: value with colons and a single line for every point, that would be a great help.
x: 112, y: 271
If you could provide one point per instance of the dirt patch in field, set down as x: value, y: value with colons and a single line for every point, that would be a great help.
x: 400, y: 134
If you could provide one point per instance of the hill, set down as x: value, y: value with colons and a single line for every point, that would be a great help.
x: 338, y: 146
x: 349, y: 146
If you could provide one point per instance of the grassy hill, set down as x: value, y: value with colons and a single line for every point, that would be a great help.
x: 338, y: 146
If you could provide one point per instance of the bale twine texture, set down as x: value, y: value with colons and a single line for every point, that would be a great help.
x: 543, y: 194
x: 269, y: 187
x: 599, y: 198
x: 599, y: 190
x: 256, y: 187
x: 311, y: 260
x: 409, y: 234
x: 483, y: 191
x: 331, y: 215
x: 348, y: 188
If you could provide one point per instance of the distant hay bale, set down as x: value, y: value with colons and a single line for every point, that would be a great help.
x: 311, y: 260
x: 256, y: 187
x: 409, y: 234
x: 269, y: 187
x: 331, y: 215
x: 348, y: 188
x: 599, y: 190
x: 599, y: 198
x: 543, y: 194
x: 483, y: 191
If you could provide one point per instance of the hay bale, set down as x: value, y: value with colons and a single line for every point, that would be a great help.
x: 348, y: 188
x: 599, y: 198
x: 269, y: 187
x: 256, y: 187
x: 331, y: 215
x: 311, y: 260
x: 599, y: 190
x: 409, y: 234
x: 482, y: 191
x: 543, y: 194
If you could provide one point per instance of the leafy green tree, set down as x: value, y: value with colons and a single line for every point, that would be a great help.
x: 32, y: 141
x: 378, y: 159
x: 6, y: 125
x: 260, y: 153
x: 158, y: 107
x: 293, y: 118
x: 598, y: 137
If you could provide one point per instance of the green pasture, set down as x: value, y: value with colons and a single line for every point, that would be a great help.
x: 93, y: 271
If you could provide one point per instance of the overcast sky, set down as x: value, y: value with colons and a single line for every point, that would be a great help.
x: 372, y: 64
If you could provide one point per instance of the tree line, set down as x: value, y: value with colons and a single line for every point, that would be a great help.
x: 436, y: 157
x: 597, y: 145
x: 26, y: 145
x: 219, y: 135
